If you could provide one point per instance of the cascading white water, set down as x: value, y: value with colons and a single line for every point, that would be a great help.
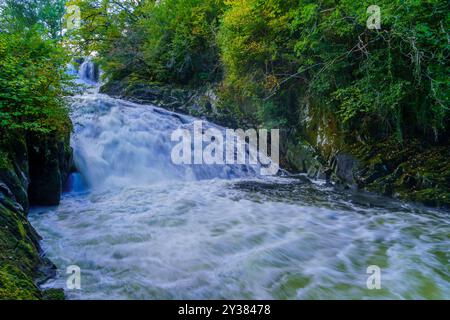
x: 88, y: 72
x: 140, y: 227
x: 118, y: 143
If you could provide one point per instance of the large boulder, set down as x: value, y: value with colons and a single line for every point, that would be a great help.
x: 32, y: 169
x: 345, y: 168
x: 50, y: 162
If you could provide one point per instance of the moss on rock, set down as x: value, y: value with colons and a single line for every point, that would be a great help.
x: 19, y: 256
x: 17, y: 285
x: 36, y: 166
x: 53, y: 294
x: 411, y: 171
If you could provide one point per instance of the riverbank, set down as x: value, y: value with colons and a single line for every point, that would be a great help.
x: 414, y: 170
x: 33, y: 170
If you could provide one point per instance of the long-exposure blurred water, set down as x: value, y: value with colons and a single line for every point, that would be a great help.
x: 140, y: 227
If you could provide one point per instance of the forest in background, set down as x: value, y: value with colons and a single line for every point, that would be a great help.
x: 336, y: 89
x: 311, y: 68
x: 272, y: 58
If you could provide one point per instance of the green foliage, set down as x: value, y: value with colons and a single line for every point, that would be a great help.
x: 257, y: 52
x: 32, y: 62
x: 278, y: 58
x: 106, y: 30
x: 4, y: 160
x: 173, y: 41
x: 45, y: 15
x: 180, y: 42
x: 32, y: 82
x: 301, y: 54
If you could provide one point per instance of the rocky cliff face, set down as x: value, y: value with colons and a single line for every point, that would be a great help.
x: 32, y: 171
x: 416, y: 170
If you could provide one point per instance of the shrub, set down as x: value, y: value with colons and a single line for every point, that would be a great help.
x: 32, y: 84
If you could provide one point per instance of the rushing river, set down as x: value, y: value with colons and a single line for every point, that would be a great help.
x: 140, y: 227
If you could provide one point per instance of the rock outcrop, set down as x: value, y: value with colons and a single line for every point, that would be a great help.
x: 32, y: 171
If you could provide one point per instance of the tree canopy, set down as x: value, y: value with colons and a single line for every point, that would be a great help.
x: 274, y: 58
x: 33, y: 81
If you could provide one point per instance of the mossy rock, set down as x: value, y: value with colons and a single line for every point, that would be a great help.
x: 414, y: 170
x: 431, y: 196
x: 53, y: 294
x: 304, y: 158
x: 5, y: 162
x: 17, y: 285
x: 50, y: 160
x: 46, y: 161
x: 19, y: 256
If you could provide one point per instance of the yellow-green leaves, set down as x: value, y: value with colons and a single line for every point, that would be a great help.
x: 31, y: 83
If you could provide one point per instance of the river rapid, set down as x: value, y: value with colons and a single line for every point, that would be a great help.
x: 140, y: 227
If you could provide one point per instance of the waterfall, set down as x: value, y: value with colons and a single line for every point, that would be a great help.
x: 147, y: 228
x: 119, y: 143
x: 88, y: 72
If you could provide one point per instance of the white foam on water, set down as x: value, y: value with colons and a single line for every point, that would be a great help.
x: 144, y: 228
